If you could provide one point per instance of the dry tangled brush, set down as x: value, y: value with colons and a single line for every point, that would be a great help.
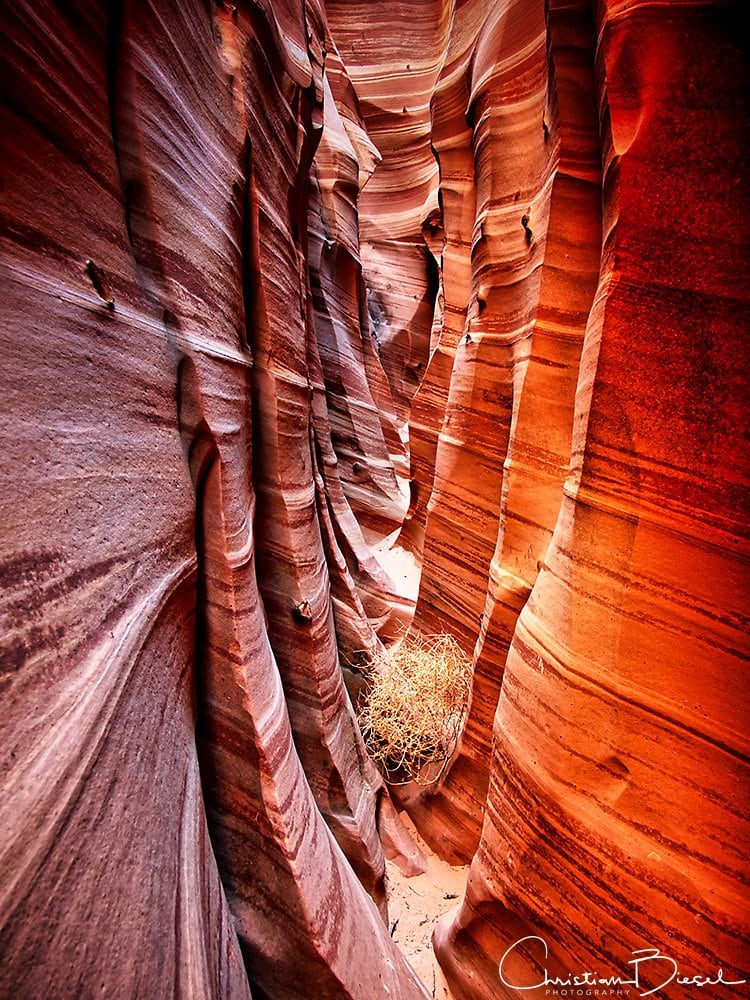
x: 415, y: 708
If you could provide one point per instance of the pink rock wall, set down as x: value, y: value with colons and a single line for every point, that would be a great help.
x: 186, y: 799
x: 242, y: 247
x: 393, y: 53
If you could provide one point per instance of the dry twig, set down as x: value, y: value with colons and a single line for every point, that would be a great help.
x: 415, y: 708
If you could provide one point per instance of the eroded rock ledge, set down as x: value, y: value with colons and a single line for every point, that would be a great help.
x: 245, y: 245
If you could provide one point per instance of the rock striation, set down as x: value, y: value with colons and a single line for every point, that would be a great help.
x: 187, y: 808
x: 612, y: 820
x: 504, y: 446
x: 573, y: 464
x: 263, y: 264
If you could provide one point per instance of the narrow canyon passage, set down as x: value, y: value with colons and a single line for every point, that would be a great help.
x: 335, y: 332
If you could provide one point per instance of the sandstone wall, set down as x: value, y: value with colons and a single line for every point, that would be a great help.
x: 242, y: 247
x: 186, y: 799
x: 620, y: 754
x: 587, y: 471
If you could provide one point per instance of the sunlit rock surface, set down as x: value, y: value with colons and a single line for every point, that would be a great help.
x: 262, y: 264
x: 613, y: 820
x: 610, y: 800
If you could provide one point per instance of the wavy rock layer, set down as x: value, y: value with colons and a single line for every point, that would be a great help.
x: 584, y: 468
x: 504, y: 447
x: 394, y: 73
x: 186, y: 799
x: 618, y: 682
x: 242, y: 247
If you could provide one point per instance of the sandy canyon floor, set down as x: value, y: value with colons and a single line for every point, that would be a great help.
x: 416, y: 904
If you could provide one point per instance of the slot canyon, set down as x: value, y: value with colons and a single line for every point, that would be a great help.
x: 327, y: 323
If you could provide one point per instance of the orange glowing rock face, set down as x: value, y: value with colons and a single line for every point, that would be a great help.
x: 607, y: 809
x: 504, y: 448
x: 243, y: 245
x: 612, y: 819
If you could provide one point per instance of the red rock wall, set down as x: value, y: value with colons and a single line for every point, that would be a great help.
x: 620, y: 750
x: 605, y: 813
x: 229, y: 279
